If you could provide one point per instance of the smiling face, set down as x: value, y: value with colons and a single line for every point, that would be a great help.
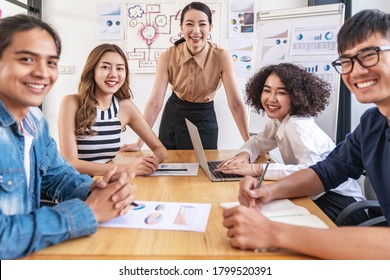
x: 196, y: 29
x: 371, y: 84
x: 110, y: 74
x: 28, y: 70
x: 275, y: 99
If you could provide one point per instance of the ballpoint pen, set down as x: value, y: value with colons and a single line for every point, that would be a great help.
x: 137, y: 206
x: 172, y: 169
x: 262, y: 176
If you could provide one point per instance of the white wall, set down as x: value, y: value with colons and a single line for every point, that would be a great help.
x: 357, y: 108
x: 8, y: 9
x: 76, y: 23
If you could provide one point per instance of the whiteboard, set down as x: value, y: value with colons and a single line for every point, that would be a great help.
x: 153, y: 26
x: 305, y: 36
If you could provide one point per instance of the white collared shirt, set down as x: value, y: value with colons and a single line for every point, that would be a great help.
x: 302, y: 143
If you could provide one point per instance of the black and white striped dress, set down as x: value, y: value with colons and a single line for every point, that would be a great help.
x: 105, y: 145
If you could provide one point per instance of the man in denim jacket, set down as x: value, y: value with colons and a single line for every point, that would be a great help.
x: 30, y: 162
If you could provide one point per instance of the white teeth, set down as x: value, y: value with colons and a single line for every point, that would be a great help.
x: 365, y: 84
x: 35, y: 86
x: 111, y: 83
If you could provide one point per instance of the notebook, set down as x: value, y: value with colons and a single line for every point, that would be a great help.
x: 207, y: 166
x: 284, y: 211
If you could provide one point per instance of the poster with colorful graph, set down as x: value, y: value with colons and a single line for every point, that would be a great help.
x: 241, y: 19
x: 322, y: 69
x: 156, y: 215
x: 242, y: 54
x: 314, y: 39
x: 109, y: 21
x: 153, y: 27
x: 275, y: 43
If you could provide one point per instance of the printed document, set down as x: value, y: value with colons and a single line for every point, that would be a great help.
x: 164, y: 216
x: 176, y: 169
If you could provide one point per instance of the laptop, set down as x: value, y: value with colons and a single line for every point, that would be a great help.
x: 207, y: 166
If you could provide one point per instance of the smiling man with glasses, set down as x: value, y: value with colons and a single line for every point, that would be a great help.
x: 364, y: 38
x: 366, y: 57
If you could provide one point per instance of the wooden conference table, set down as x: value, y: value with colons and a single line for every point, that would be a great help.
x: 122, y: 243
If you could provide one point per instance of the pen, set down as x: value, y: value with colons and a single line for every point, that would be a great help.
x: 262, y: 250
x: 262, y: 176
x: 137, y: 206
x: 172, y: 169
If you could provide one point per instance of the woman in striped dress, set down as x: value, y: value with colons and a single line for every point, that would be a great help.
x: 91, y: 122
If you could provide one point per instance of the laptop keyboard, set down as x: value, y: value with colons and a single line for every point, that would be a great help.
x: 213, y: 165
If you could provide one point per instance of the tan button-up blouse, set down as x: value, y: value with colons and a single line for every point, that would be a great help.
x: 194, y: 78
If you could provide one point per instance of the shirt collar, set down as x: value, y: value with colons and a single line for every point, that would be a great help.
x: 281, y: 126
x: 6, y: 119
x: 29, y: 122
x: 199, y: 58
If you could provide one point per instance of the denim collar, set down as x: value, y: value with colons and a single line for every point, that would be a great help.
x: 6, y: 119
x: 29, y: 121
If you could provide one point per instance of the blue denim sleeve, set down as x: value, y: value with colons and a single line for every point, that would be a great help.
x: 59, y: 179
x: 21, y: 235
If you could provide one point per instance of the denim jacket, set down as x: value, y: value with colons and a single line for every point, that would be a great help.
x: 24, y: 227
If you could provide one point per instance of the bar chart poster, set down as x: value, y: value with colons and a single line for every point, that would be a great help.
x: 314, y: 39
x: 275, y: 43
x: 322, y: 68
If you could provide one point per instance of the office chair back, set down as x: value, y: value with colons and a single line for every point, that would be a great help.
x: 371, y: 205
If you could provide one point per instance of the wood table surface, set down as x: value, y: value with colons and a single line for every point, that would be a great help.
x: 124, y: 243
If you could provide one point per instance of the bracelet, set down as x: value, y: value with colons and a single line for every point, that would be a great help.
x: 254, y: 171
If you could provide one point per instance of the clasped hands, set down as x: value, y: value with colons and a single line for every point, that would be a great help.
x: 111, y: 195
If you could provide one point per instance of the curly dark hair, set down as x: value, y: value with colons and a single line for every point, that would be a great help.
x: 309, y: 93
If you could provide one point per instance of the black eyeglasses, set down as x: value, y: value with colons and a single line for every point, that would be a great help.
x: 366, y: 57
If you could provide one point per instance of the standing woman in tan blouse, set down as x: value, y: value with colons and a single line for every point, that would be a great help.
x: 195, y: 69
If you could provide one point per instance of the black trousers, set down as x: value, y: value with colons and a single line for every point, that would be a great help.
x: 332, y: 204
x: 173, y: 132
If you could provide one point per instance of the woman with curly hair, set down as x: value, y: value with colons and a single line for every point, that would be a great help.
x: 90, y: 122
x: 291, y: 97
